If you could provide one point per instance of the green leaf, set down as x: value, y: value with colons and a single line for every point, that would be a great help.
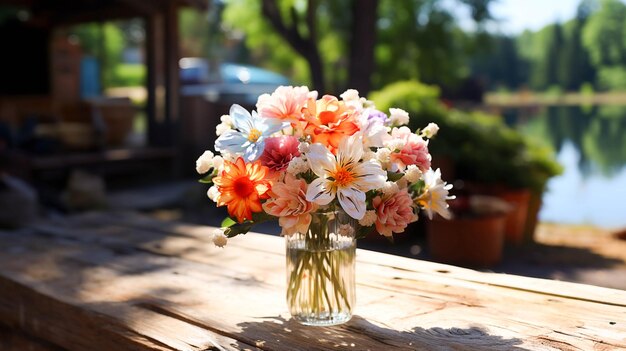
x: 208, y: 179
x: 394, y: 177
x: 238, y: 228
x: 227, y: 222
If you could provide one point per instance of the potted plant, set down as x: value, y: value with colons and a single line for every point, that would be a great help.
x: 488, y: 156
x: 474, y: 236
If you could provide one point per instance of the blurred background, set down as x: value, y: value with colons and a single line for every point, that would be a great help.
x: 106, y: 104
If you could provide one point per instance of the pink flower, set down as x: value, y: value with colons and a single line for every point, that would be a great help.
x: 285, y: 103
x: 414, y: 150
x: 288, y: 203
x: 279, y: 151
x: 393, y: 213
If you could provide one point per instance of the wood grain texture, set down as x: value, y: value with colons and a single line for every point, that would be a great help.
x: 119, y: 281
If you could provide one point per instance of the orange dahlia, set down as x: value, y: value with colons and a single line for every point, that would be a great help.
x: 329, y: 121
x: 241, y: 188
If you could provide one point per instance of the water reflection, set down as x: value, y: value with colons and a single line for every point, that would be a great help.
x: 591, y: 145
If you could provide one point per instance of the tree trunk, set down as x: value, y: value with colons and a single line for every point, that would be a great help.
x: 316, y: 67
x: 361, y: 64
x: 305, y: 46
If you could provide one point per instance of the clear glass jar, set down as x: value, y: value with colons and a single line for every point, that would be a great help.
x: 320, y: 270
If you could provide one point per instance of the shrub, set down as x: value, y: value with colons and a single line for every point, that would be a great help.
x: 481, y: 146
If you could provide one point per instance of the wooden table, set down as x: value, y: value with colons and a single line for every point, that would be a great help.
x: 106, y: 281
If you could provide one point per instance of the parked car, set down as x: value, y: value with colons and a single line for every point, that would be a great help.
x: 229, y: 83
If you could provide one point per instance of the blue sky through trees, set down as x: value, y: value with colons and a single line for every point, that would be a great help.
x: 514, y: 16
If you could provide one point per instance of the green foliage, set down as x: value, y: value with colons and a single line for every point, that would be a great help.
x: 105, y: 41
x: 415, y: 39
x: 603, y: 35
x: 420, y: 99
x: 268, y: 48
x: 555, y: 55
x: 113, y: 46
x: 195, y: 36
x: 612, y: 78
x: 586, y: 89
x: 128, y: 75
x: 481, y: 146
x: 554, y: 91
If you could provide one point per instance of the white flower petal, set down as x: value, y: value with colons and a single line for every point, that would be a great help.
x: 352, y: 201
x: 241, y: 118
x: 267, y: 126
x: 322, y: 162
x: 350, y: 150
x: 370, y: 175
x: 231, y: 141
x: 320, y: 192
x: 254, y: 151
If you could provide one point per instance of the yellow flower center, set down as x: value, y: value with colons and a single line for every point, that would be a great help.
x: 343, y: 177
x: 254, y: 135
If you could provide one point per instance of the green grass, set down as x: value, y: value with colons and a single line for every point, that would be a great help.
x: 128, y: 75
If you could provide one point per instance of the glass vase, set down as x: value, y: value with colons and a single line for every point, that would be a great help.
x: 320, y: 270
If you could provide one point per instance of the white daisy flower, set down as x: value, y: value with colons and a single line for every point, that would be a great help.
x: 435, y: 195
x: 343, y: 176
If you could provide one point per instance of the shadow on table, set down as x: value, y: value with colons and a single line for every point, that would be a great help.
x: 553, y: 261
x: 360, y: 334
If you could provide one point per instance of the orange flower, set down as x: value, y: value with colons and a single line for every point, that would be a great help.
x: 241, y: 188
x: 329, y: 121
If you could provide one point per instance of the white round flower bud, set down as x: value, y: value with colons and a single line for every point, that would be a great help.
x: 383, y: 155
x: 398, y: 116
x: 369, y: 218
x: 297, y: 165
x: 369, y: 155
x: 219, y: 239
x: 304, y: 147
x: 205, y: 162
x: 390, y: 189
x: 394, y: 144
x: 412, y: 173
x: 218, y: 162
x: 350, y: 95
x: 213, y: 193
x: 430, y: 130
x: 221, y: 128
x: 227, y: 119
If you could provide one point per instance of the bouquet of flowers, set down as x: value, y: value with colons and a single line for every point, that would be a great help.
x: 298, y: 156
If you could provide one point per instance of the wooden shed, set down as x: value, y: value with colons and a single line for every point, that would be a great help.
x: 38, y: 74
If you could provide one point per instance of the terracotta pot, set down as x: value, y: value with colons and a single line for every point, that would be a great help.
x: 515, y: 227
x: 474, y: 242
x: 534, y: 205
x: 516, y: 219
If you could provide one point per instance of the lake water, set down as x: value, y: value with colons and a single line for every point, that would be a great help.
x: 590, y: 143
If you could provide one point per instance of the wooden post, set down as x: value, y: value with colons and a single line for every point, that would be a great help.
x: 163, y: 82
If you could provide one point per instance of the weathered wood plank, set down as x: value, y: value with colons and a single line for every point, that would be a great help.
x: 16, y: 340
x: 149, y: 278
x: 265, y: 243
x: 36, y: 295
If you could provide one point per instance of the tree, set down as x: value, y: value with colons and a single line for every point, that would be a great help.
x: 355, y: 43
x: 576, y: 68
x: 603, y: 35
x: 545, y: 72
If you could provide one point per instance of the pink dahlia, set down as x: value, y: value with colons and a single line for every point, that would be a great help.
x: 285, y: 103
x: 288, y: 202
x: 394, y: 213
x: 413, y: 152
x: 279, y: 151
